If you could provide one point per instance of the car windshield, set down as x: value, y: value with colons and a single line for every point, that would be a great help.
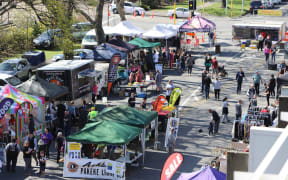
x: 90, y: 38
x: 8, y: 67
x: 14, y: 81
x: 46, y: 34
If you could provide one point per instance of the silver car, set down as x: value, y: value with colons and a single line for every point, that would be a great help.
x: 16, y: 67
x: 8, y: 79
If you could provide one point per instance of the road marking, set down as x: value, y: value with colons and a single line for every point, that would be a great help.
x: 236, y: 54
x: 188, y: 99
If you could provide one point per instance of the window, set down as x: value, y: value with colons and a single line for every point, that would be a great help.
x: 127, y: 4
x: 14, y: 81
x: 186, y: 10
x: 90, y: 38
x: 83, y: 80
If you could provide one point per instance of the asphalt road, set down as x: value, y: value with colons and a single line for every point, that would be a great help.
x: 197, y: 148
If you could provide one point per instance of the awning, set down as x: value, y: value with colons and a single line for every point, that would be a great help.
x: 141, y: 43
x: 88, y: 73
x: 198, y: 24
x: 123, y: 44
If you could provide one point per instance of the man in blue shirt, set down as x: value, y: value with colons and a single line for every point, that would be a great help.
x: 239, y: 77
x: 257, y: 79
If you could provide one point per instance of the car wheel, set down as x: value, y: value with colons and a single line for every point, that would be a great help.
x: 115, y: 11
x: 137, y: 13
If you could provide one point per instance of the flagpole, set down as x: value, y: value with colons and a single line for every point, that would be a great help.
x: 174, y: 12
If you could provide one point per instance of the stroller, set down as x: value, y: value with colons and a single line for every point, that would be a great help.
x: 222, y: 71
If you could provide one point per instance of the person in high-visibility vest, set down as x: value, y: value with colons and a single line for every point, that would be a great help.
x: 93, y: 113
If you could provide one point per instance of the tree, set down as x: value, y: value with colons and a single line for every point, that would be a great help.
x: 120, y: 9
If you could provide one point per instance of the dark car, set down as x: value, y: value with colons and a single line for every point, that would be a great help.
x: 16, y: 67
x: 254, y: 5
x: 47, y: 38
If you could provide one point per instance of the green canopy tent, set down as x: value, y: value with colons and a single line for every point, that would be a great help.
x: 133, y: 117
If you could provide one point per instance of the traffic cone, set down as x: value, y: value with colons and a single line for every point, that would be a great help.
x: 203, y: 38
x: 142, y: 14
x: 189, y: 18
x: 171, y: 17
x: 109, y: 13
x: 134, y: 14
x: 152, y: 14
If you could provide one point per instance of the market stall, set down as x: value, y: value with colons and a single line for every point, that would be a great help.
x: 196, y: 24
x: 124, y: 28
x: 19, y: 104
x: 105, y: 52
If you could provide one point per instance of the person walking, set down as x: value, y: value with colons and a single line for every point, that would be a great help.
x: 183, y: 62
x: 273, y: 54
x: 267, y: 54
x: 67, y: 124
x: 171, y: 141
x: 42, y: 162
x: 214, y: 67
x: 33, y: 145
x: 239, y: 78
x: 260, y: 42
x: 225, y: 110
x: 190, y: 63
x: 158, y: 81
x: 72, y: 112
x: 60, y: 115
x: 94, y: 92
x: 267, y: 94
x: 204, y: 75
x: 217, y: 88
x: 47, y: 139
x: 59, y: 145
x: 257, y: 79
x: 12, y: 150
x: 215, y: 120
x: 272, y: 85
x: 207, y: 82
x: 238, y: 109
x: 169, y: 89
x: 207, y: 62
x: 27, y: 153
x: 31, y: 124
x: 251, y: 92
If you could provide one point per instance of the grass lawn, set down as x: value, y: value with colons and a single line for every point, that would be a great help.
x: 50, y: 53
x: 217, y: 10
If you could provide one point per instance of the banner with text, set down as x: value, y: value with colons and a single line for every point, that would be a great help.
x: 74, y: 150
x: 172, y: 123
x: 94, y: 168
x: 113, y: 69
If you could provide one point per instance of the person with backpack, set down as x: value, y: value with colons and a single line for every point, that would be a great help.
x: 207, y: 62
x: 12, y: 150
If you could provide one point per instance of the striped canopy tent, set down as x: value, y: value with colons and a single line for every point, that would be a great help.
x: 198, y: 24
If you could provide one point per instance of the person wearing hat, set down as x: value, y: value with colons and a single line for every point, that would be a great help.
x: 41, y: 147
x: 171, y: 141
x: 257, y: 79
x: 93, y: 113
x: 59, y: 145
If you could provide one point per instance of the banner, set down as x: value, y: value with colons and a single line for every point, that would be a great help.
x: 175, y: 94
x: 113, y: 69
x: 94, y: 168
x: 172, y: 123
x: 270, y: 12
x: 74, y: 150
x: 5, y: 105
x: 160, y: 100
x: 171, y: 165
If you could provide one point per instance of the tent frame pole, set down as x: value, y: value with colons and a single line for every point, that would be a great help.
x: 143, y: 144
x: 156, y: 143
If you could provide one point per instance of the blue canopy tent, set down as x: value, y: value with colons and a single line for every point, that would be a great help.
x: 105, y: 52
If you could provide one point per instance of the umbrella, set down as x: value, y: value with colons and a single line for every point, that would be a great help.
x: 207, y: 173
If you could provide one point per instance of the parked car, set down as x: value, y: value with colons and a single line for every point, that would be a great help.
x: 16, y: 67
x: 46, y: 39
x: 267, y: 4
x: 181, y: 13
x: 78, y: 55
x: 89, y: 40
x: 79, y: 30
x: 129, y: 8
x: 254, y: 5
x: 9, y: 79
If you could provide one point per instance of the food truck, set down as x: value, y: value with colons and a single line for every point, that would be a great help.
x: 250, y: 30
x: 77, y: 75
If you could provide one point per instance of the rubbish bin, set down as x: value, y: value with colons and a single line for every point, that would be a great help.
x: 217, y: 48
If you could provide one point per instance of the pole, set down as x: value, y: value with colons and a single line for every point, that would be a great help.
x: 108, y: 14
x: 226, y: 6
x: 174, y: 12
x: 242, y: 7
x: 231, y: 8
x: 203, y: 7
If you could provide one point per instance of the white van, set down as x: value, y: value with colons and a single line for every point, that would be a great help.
x: 89, y: 40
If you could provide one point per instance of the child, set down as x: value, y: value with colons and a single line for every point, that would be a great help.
x: 210, y: 128
x: 42, y: 162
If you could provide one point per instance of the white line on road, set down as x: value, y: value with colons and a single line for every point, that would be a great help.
x: 188, y: 99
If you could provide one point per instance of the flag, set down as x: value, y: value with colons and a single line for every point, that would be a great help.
x: 113, y: 68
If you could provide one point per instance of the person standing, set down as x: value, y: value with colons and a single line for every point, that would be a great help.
x: 158, y: 81
x: 47, y: 139
x: 260, y: 42
x: 217, y: 88
x: 214, y: 67
x: 267, y: 94
x: 169, y: 89
x: 171, y: 141
x: 94, y: 92
x: 72, y: 112
x: 268, y: 42
x: 42, y: 161
x: 239, y: 78
x: 238, y: 109
x: 204, y: 75
x: 207, y: 82
x: 267, y: 54
x: 31, y: 124
x: 272, y: 85
x: 207, y: 62
x: 251, y: 92
x: 155, y: 57
x: 67, y: 124
x: 273, y: 54
x: 59, y: 145
x: 225, y: 110
x: 33, y: 145
x: 257, y: 79
x: 132, y: 100
x: 215, y: 119
x: 60, y: 115
x: 183, y: 62
x: 12, y: 150
x: 190, y: 62
x: 27, y: 152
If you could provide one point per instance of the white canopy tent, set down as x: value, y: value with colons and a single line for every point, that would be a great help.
x: 162, y: 31
x: 124, y: 28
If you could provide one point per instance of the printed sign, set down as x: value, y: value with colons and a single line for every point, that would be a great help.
x: 5, y: 104
x: 94, y: 168
x: 269, y: 12
x: 286, y: 36
x: 74, y: 150
x: 113, y: 67
x: 172, y: 123
x: 55, y: 77
x: 159, y: 67
x: 171, y: 165
x: 160, y: 100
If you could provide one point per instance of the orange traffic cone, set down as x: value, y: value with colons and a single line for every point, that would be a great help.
x: 142, y: 14
x: 171, y: 17
x: 203, y: 38
x: 134, y: 14
x: 109, y: 13
x: 189, y: 18
x: 152, y: 14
